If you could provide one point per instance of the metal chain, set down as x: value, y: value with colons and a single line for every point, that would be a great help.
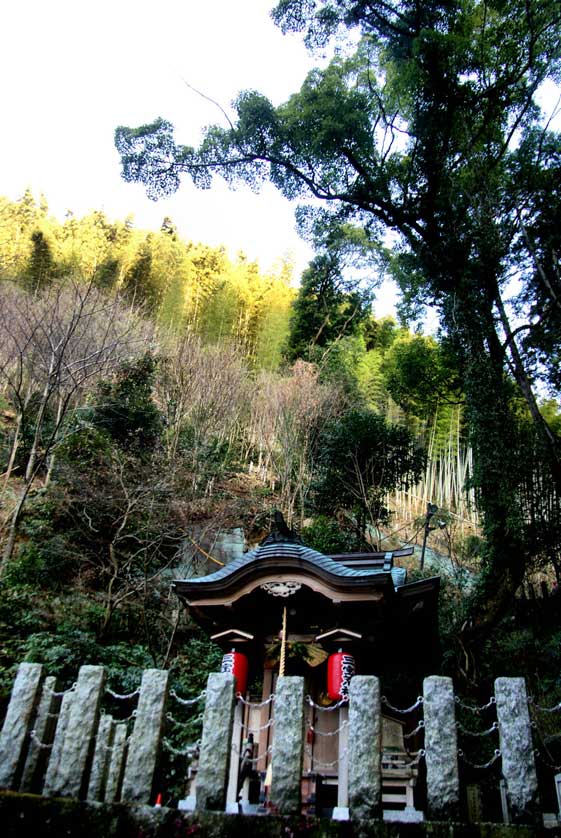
x: 312, y: 703
x: 317, y: 764
x: 418, y: 703
x: 396, y: 759
x: 545, y: 762
x: 198, y: 718
x: 122, y: 697
x: 492, y: 729
x: 330, y: 732
x: 473, y: 709
x: 36, y: 741
x: 188, y: 751
x: 56, y: 694
x: 259, y: 756
x: 187, y: 702
x: 240, y: 697
x: 494, y: 758
x: 554, y: 709
x: 418, y: 729
x: 270, y: 723
x: 418, y: 757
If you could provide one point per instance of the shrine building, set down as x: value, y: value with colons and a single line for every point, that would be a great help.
x: 285, y: 609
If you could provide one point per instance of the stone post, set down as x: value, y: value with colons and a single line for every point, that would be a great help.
x: 116, y: 764
x: 77, y: 747
x: 14, y: 738
x: 288, y: 745
x: 365, y: 746
x: 43, y: 726
x: 144, y: 743
x: 51, y: 777
x: 441, y: 747
x: 216, y: 743
x: 517, y: 750
x: 101, y: 757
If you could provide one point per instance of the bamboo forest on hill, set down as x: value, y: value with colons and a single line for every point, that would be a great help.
x: 156, y: 395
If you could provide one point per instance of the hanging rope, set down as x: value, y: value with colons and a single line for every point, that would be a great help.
x: 282, y: 662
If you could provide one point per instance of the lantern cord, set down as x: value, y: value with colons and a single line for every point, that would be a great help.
x: 282, y: 661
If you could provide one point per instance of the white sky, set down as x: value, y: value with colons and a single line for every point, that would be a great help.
x: 71, y: 71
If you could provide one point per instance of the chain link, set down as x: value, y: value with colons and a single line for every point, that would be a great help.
x: 188, y: 751
x: 418, y: 729
x: 198, y: 718
x: 494, y: 758
x: 253, y: 760
x: 240, y: 697
x: 56, y: 694
x: 418, y: 703
x: 397, y: 759
x: 554, y: 709
x: 471, y: 707
x: 317, y: 764
x: 329, y: 732
x: 37, y: 742
x: 252, y: 729
x: 122, y: 697
x: 187, y: 702
x: 492, y: 729
x: 545, y: 762
x: 312, y: 703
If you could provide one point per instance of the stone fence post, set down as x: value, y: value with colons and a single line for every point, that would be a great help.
x: 80, y: 724
x: 44, y: 726
x: 145, y: 740
x: 441, y: 749
x: 288, y: 744
x: 517, y: 750
x: 364, y: 748
x: 216, y: 743
x: 14, y: 738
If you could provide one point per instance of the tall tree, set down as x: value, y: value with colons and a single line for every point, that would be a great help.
x: 420, y: 130
x: 327, y: 307
x: 53, y: 345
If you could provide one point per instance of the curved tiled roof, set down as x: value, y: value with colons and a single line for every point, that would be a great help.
x: 291, y: 551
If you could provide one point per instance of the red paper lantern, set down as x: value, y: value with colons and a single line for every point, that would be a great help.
x: 237, y: 664
x: 340, y: 670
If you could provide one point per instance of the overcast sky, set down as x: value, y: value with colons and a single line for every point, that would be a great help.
x: 73, y: 70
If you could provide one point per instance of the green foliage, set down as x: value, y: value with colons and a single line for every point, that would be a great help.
x: 466, y: 193
x: 327, y: 307
x: 326, y: 536
x: 124, y: 408
x: 360, y: 459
